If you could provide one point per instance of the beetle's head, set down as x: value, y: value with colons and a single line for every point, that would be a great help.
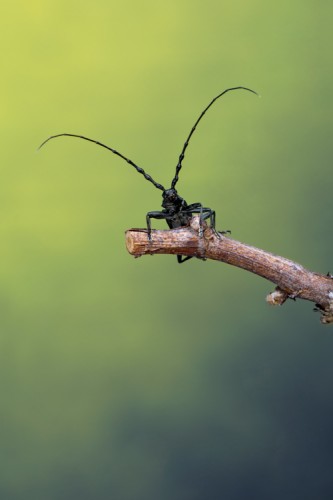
x: 170, y: 195
x: 171, y: 199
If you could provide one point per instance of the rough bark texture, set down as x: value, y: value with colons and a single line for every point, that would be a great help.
x: 292, y: 279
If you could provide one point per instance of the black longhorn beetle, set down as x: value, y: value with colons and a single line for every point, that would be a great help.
x: 175, y: 211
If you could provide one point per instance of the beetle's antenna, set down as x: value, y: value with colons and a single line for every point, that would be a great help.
x: 139, y: 169
x: 182, y: 154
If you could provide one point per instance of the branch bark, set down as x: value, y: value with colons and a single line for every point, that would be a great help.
x: 292, y: 280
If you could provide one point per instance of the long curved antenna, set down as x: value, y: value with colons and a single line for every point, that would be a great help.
x: 139, y: 169
x: 182, y: 154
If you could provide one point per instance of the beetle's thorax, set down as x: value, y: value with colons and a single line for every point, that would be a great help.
x: 172, y: 201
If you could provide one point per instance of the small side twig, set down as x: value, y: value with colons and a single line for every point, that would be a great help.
x: 292, y: 280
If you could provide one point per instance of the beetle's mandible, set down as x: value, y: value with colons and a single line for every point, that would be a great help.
x: 175, y: 211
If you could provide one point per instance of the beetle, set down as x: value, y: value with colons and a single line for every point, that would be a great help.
x: 176, y: 211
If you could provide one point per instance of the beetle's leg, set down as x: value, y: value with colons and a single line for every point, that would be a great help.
x: 162, y: 215
x: 181, y: 258
x: 205, y: 213
x: 192, y: 207
x: 154, y: 215
x: 210, y: 214
x: 196, y: 208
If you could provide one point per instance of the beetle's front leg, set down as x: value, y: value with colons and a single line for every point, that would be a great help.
x: 210, y: 214
x: 153, y: 215
x: 196, y: 208
x: 205, y: 213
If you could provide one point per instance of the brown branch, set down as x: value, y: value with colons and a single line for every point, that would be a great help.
x: 292, y: 280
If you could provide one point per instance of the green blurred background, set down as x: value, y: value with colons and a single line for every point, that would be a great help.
x: 134, y: 379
